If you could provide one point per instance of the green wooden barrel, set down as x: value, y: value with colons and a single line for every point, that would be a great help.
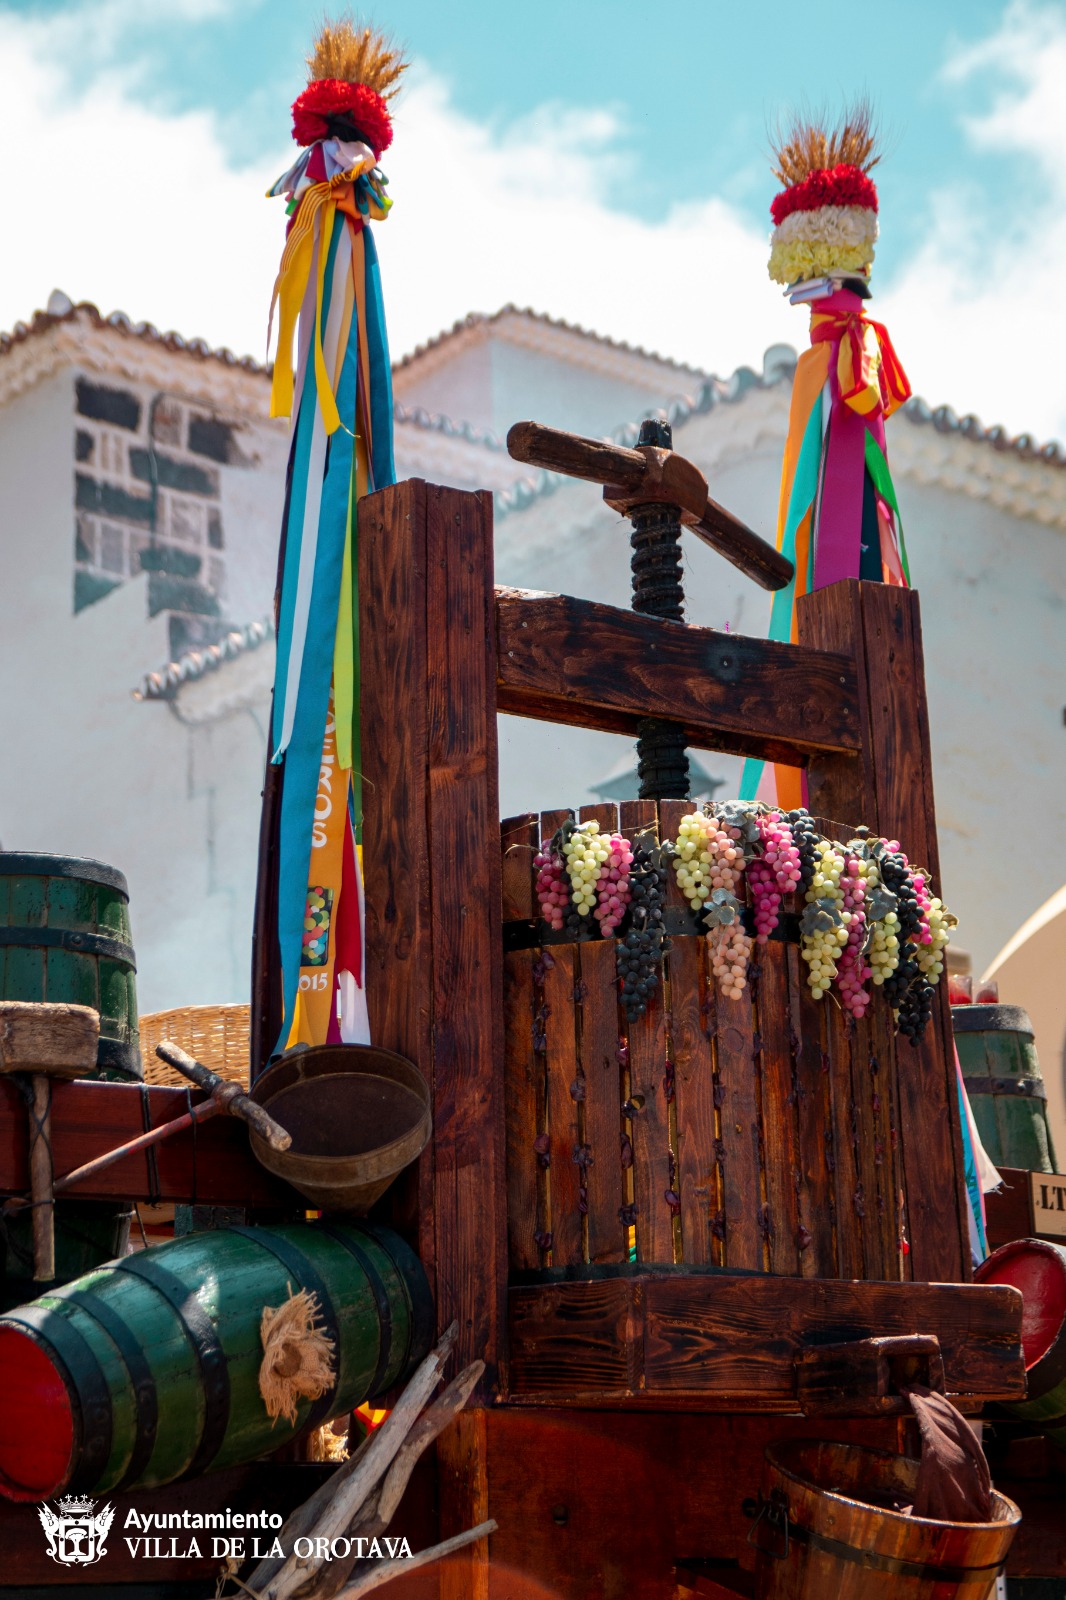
x: 146, y: 1370
x: 87, y: 1233
x: 1002, y: 1076
x: 65, y: 937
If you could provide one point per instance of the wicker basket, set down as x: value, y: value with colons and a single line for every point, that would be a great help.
x: 216, y: 1035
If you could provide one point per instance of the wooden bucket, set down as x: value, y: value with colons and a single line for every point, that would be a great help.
x: 65, y: 937
x: 818, y: 1534
x: 1038, y: 1269
x: 357, y: 1116
x: 147, y: 1370
x: 1002, y: 1076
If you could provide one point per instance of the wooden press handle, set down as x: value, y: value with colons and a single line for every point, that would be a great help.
x: 669, y: 477
x: 230, y: 1095
x: 577, y: 457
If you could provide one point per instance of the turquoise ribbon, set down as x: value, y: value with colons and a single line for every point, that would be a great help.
x: 804, y: 490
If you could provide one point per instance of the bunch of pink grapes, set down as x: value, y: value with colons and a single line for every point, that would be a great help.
x: 853, y: 974
x: 774, y: 874
x: 779, y: 850
x: 553, y: 887
x: 766, y: 898
x: 612, y: 885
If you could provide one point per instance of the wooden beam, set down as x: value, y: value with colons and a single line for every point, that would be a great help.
x: 210, y: 1165
x: 560, y: 659
x: 711, y: 1341
x: 433, y: 878
x: 891, y: 790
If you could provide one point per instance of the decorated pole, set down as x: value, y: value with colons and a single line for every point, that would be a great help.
x: 838, y: 515
x: 308, y: 960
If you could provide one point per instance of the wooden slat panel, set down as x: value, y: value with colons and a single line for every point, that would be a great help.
x: 560, y: 979
x: 717, y: 1339
x: 929, y: 1119
x: 880, y: 1086
x: 648, y: 1078
x: 693, y: 1059
x: 780, y: 1157
x: 567, y: 660
x: 739, y: 1118
x: 523, y: 1066
x: 602, y: 1122
x: 817, y: 1257
x: 851, y: 1198
x: 465, y: 905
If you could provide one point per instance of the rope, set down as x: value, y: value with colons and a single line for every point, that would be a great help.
x: 195, y: 1136
x: 153, y: 1168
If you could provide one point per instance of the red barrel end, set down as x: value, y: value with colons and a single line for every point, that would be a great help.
x: 36, y: 1421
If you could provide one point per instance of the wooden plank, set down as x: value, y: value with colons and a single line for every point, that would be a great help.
x: 392, y: 708
x: 463, y: 1486
x: 210, y: 1163
x: 650, y: 1089
x: 523, y: 1066
x: 779, y: 1124
x: 928, y: 1100
x: 817, y: 1195
x: 847, y: 1145
x: 575, y: 661
x: 840, y: 785
x: 615, y: 1504
x: 738, y: 1071
x: 564, y: 1174
x: 693, y: 1060
x: 465, y: 908
x: 716, y: 1338
x: 599, y: 1034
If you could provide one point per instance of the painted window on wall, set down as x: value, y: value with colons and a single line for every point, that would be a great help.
x: 147, y: 499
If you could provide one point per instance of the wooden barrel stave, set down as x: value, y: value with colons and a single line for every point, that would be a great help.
x: 174, y: 1332
x: 1001, y: 1071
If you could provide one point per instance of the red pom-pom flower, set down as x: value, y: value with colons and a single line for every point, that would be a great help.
x: 332, y: 97
x: 843, y: 185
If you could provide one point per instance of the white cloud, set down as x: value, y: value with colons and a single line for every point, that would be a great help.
x: 155, y: 214
x: 978, y: 316
x: 162, y: 216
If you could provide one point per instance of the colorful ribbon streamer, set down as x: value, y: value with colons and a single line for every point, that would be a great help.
x: 339, y: 395
x: 838, y: 514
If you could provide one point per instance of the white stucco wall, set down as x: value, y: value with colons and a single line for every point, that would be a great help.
x: 170, y: 792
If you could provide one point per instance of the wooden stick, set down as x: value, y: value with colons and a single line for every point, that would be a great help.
x: 340, y: 1497
x: 375, y: 1514
x: 166, y: 1130
x: 230, y: 1096
x: 41, y: 1192
x: 385, y: 1571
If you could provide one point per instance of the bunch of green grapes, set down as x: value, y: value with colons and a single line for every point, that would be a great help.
x: 824, y: 924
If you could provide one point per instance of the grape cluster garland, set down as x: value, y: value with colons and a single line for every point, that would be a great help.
x: 869, y: 919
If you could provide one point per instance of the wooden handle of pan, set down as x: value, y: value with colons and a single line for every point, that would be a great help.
x: 231, y: 1096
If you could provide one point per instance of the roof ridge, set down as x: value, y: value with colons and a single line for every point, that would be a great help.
x: 42, y: 321
x: 202, y: 659
x: 479, y: 319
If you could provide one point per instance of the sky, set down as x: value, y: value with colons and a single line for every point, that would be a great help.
x: 604, y: 161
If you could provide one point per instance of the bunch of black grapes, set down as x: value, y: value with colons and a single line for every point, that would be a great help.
x: 641, y: 949
x: 805, y: 836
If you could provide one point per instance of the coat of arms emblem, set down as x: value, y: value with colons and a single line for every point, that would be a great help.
x: 75, y: 1534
